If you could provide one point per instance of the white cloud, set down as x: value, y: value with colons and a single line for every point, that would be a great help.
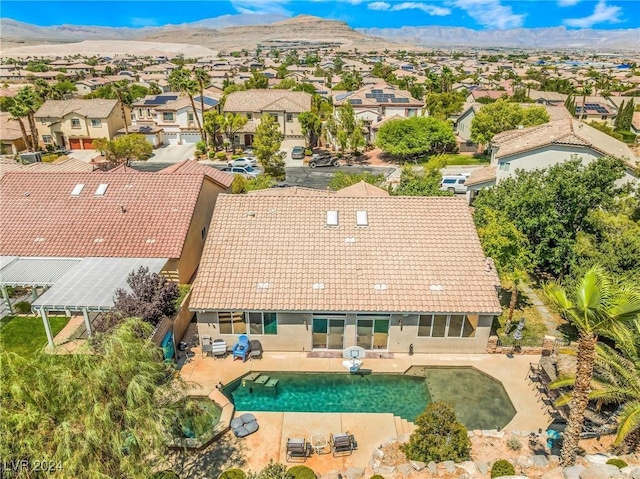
x: 491, y: 13
x: 261, y: 6
x: 378, y: 6
x: 426, y: 8
x: 567, y: 3
x: 603, y: 13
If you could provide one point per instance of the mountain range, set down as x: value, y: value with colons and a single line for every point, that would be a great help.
x: 237, y: 31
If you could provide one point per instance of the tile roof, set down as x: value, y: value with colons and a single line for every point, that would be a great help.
x: 560, y: 132
x: 366, y: 97
x: 481, y: 175
x: 362, y: 188
x: 417, y: 254
x: 268, y: 100
x: 62, y: 164
x: 10, y: 129
x: 92, y: 108
x: 291, y: 191
x: 140, y: 215
x: 188, y: 167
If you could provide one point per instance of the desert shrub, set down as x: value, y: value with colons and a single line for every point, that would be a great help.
x: 438, y: 436
x: 502, y: 468
x: 49, y: 158
x: 221, y: 155
x: 619, y: 463
x: 377, y: 476
x: 233, y: 474
x: 302, y: 472
x: 166, y: 475
x: 23, y: 307
x: 514, y: 444
x: 201, y: 147
x: 308, y: 152
x: 273, y: 470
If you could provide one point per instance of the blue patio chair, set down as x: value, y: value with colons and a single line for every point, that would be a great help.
x: 241, y: 348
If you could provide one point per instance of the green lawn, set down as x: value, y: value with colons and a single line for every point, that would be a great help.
x: 455, y: 159
x: 24, y: 335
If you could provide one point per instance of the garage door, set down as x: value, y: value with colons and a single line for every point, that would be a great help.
x: 87, y: 143
x: 171, y: 138
x: 190, y: 138
x: 74, y: 144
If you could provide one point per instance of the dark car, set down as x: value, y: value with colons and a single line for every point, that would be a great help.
x: 323, y: 159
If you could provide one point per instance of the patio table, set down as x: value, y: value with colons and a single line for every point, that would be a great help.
x: 319, y: 442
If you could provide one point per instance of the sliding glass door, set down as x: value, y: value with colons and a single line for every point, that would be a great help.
x: 328, y: 333
x: 372, y: 333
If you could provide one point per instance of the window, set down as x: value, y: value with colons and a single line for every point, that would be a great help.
x: 289, y: 117
x: 167, y: 116
x: 43, y: 121
x: 75, y: 123
x: 504, y: 166
x: 262, y: 323
x: 140, y: 112
x: 47, y: 139
x: 411, y: 112
x: 133, y: 116
x: 275, y: 116
x: 249, y: 116
x: 149, y: 112
x: 231, y: 322
x: 604, y: 117
x: 190, y: 117
x: 447, y: 325
x: 96, y: 123
x: 203, y: 233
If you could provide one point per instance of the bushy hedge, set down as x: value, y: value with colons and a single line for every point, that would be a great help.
x: 301, y: 472
x: 502, y: 468
x: 23, y: 307
x: 233, y: 474
x: 438, y: 436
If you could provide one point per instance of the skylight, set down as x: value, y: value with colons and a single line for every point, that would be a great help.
x: 317, y: 286
x: 264, y: 285
x: 102, y: 189
x: 332, y: 218
x: 380, y: 286
x: 77, y: 189
x: 362, y: 218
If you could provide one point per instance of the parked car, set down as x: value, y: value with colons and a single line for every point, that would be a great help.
x: 243, y: 161
x: 454, y: 183
x: 297, y: 153
x: 323, y: 159
x: 247, y: 171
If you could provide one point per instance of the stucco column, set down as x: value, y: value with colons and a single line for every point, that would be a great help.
x: 7, y: 301
x: 47, y: 326
x: 87, y: 323
x: 34, y: 293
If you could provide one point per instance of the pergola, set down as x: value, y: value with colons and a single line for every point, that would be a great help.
x: 87, y: 285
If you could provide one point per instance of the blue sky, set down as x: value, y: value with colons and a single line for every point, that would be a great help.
x: 475, y: 14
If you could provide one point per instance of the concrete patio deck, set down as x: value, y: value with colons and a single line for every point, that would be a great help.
x: 370, y: 430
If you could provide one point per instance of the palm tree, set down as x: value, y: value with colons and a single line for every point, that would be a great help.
x: 202, y: 79
x: 517, y: 278
x: 121, y: 89
x: 598, y: 306
x: 29, y: 102
x: 18, y: 112
x: 180, y: 80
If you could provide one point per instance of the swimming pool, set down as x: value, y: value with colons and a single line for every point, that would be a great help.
x: 480, y: 401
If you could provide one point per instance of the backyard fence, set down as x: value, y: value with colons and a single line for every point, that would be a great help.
x: 508, y: 345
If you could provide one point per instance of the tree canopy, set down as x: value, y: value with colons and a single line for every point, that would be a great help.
x: 342, y: 180
x: 415, y: 136
x: 99, y: 415
x: 266, y: 147
x: 443, y: 105
x: 125, y: 148
x: 504, y: 115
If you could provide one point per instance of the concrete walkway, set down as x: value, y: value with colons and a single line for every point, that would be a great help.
x: 542, y: 309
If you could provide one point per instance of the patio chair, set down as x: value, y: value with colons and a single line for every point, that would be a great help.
x: 241, y: 348
x: 219, y: 348
x: 256, y: 349
x: 206, y: 345
x: 244, y: 425
x: 343, y: 443
x: 298, y: 449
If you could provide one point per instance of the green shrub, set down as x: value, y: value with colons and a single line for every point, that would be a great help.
x: 377, y: 476
x: 619, y: 463
x: 49, y: 158
x: 301, y: 472
x: 502, y: 468
x: 23, y: 307
x: 166, y: 475
x: 233, y: 474
x: 221, y: 155
x: 438, y: 436
x: 308, y: 152
x: 514, y: 444
x: 201, y: 147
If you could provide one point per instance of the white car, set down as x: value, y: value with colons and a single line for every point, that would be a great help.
x: 247, y: 171
x: 454, y: 183
x: 243, y: 161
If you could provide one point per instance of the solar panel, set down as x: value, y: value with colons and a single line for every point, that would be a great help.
x: 356, y: 101
x: 161, y: 100
x: 376, y: 91
x: 369, y: 95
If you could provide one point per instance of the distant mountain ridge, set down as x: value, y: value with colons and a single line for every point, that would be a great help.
x: 554, y: 37
x: 274, y: 27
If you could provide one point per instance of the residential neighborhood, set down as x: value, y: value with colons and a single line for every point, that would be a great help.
x: 319, y: 249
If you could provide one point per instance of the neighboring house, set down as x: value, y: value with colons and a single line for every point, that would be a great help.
x: 74, y: 124
x: 635, y: 123
x: 84, y: 87
x: 169, y: 118
x: 11, y: 140
x: 375, y: 103
x: 546, y: 145
x: 591, y: 111
x: 332, y: 275
x: 284, y: 105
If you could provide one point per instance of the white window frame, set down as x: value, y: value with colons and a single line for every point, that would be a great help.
x: 47, y: 139
x: 289, y: 117
x: 247, y: 317
x: 75, y: 121
x: 168, y: 116
x: 94, y: 121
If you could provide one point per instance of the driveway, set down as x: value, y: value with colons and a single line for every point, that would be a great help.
x: 173, y: 153
x: 83, y: 155
x: 319, y: 177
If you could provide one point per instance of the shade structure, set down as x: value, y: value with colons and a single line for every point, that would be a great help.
x: 31, y: 271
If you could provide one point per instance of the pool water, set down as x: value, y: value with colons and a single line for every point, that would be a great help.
x: 333, y: 392
x: 480, y: 401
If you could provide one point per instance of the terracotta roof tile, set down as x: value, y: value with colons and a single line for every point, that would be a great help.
x: 268, y: 100
x: 481, y: 175
x: 93, y: 108
x: 192, y: 166
x: 140, y: 215
x: 409, y: 245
